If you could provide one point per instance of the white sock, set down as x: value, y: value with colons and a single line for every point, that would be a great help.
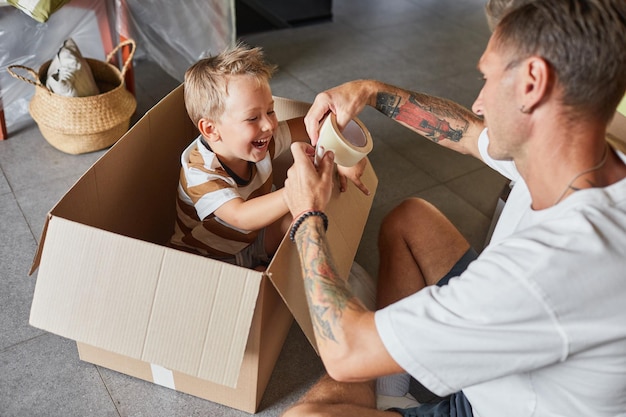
x: 393, y: 385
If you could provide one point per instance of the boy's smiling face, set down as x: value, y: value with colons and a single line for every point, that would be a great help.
x: 247, y: 125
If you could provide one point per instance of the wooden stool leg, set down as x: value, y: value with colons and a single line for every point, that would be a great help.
x: 129, y: 77
x: 105, y: 34
x: 3, y: 125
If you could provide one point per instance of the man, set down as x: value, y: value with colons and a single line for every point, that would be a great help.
x: 535, y: 324
x: 616, y: 131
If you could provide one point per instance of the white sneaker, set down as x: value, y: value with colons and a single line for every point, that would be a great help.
x: 385, y: 402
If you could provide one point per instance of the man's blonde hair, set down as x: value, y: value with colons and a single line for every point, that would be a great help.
x: 206, y: 81
x: 583, y: 41
x: 496, y: 9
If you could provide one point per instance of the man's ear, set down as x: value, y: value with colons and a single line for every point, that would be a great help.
x: 208, y: 129
x: 536, y: 82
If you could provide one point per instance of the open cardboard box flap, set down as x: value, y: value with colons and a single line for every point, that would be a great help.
x: 347, y: 214
x: 107, y: 279
x: 141, y: 300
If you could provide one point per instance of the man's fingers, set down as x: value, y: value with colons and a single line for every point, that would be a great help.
x: 327, y: 166
x: 342, y: 120
x: 315, y: 115
x: 312, y: 125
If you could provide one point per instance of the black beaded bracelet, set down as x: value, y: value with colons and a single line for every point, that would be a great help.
x: 304, y: 216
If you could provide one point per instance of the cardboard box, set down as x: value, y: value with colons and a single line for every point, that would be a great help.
x: 108, y: 281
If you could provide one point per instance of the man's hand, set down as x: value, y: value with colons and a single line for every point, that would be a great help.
x: 308, y: 187
x: 346, y: 101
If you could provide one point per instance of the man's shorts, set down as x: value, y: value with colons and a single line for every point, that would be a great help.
x: 455, y: 405
x: 460, y: 266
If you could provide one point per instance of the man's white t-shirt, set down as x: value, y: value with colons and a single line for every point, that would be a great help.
x: 536, y: 326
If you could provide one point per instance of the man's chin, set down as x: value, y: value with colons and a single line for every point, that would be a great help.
x: 498, y: 156
x: 502, y: 158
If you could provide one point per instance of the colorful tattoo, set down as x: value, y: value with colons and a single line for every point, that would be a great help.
x: 431, y: 120
x: 326, y: 292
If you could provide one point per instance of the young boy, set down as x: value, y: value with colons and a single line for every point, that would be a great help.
x: 225, y: 207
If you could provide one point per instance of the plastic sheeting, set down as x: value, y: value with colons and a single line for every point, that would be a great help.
x: 175, y: 34
x: 171, y: 33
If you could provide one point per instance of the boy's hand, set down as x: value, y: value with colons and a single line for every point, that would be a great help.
x: 354, y: 174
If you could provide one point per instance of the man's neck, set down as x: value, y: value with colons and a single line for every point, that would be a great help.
x: 557, y: 167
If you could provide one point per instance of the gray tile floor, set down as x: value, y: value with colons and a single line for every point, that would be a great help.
x: 425, y: 45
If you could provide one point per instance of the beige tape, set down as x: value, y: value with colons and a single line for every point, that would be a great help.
x: 162, y: 376
x: 349, y: 145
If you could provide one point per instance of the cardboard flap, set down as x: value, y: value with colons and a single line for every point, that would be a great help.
x: 37, y: 257
x: 145, y: 301
x: 347, y: 215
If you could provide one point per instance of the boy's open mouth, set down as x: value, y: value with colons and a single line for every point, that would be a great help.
x: 260, y: 143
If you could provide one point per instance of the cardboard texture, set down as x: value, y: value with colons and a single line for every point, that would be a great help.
x: 108, y: 281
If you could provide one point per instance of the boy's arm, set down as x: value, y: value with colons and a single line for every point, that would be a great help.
x: 255, y: 213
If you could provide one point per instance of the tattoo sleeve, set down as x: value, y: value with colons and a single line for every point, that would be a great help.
x: 435, y: 118
x: 326, y: 292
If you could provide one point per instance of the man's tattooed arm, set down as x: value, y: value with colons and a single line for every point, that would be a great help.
x: 345, y: 331
x: 327, y: 293
x: 434, y: 118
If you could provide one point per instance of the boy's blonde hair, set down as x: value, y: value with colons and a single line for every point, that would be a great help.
x: 206, y: 81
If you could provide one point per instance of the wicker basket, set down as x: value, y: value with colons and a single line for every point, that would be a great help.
x: 78, y: 125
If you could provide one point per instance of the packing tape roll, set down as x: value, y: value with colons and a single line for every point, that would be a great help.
x: 349, y: 145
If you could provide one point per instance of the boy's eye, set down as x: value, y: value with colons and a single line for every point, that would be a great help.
x: 255, y: 118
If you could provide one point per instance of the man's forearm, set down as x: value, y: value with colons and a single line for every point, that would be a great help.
x: 328, y: 295
x: 439, y: 120
x: 345, y: 331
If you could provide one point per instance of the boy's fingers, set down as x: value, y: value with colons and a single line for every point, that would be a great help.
x: 302, y: 151
x: 362, y: 187
x: 343, y: 182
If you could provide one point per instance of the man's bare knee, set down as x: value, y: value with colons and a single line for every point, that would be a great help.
x: 417, y: 233
x: 307, y: 410
x: 335, y: 410
x: 411, y: 211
